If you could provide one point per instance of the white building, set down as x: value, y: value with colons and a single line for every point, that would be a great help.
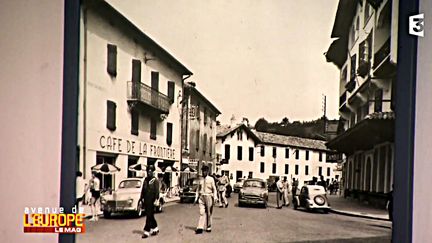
x: 130, y: 89
x: 247, y: 153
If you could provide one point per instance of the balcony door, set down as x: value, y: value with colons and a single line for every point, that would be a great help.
x: 155, y: 89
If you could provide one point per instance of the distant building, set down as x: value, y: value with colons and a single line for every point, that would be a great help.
x: 129, y: 107
x: 248, y: 153
x: 365, y: 52
x: 198, y: 129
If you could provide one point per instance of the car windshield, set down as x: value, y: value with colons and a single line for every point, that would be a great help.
x: 259, y: 184
x: 130, y: 184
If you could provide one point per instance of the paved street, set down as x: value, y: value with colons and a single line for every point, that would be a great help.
x: 233, y: 224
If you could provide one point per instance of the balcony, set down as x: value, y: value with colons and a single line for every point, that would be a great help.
x: 342, y: 99
x: 382, y: 66
x: 141, y: 95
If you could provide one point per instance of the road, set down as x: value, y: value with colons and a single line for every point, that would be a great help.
x: 233, y: 224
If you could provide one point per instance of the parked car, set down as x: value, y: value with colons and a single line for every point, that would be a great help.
x: 254, y: 191
x: 239, y: 184
x: 312, y: 197
x: 127, y: 199
x: 187, y: 193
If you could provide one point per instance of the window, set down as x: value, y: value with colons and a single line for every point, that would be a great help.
x: 250, y: 174
x: 274, y: 152
x: 378, y: 100
x: 320, y: 156
x: 205, y: 116
x: 155, y: 81
x: 286, y: 169
x: 274, y: 168
x: 251, y: 153
x: 134, y: 122
x: 211, y: 146
x: 239, y: 153
x: 262, y: 151
x: 262, y: 167
x: 287, y: 153
x: 153, y: 127
x: 297, y: 154
x: 328, y: 171
x: 306, y: 170
x: 112, y: 60
x: 197, y: 139
x: 111, y: 115
x: 136, y: 71
x: 353, y: 67
x: 320, y: 171
x: 169, y: 133
x: 171, y: 89
x: 204, y: 143
x: 307, y: 154
x: 296, y: 169
x: 227, y: 152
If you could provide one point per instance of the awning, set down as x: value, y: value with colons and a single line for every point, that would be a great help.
x: 376, y: 128
x: 337, y: 52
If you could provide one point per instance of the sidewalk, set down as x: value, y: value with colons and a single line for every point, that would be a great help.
x: 352, y: 207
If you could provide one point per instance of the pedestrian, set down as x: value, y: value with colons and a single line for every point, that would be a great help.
x: 279, y: 193
x: 322, y: 182
x: 150, y: 195
x: 222, y: 188
x: 95, y: 195
x: 206, y: 195
x: 80, y: 189
x: 294, y: 187
x: 286, y: 191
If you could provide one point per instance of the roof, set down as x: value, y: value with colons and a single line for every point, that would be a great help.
x: 225, y: 130
x: 107, y: 11
x: 275, y: 139
x: 344, y: 16
x: 202, y: 97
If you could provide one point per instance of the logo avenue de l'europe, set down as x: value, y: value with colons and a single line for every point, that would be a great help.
x: 53, y: 220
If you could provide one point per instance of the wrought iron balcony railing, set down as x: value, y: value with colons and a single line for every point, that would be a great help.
x: 140, y: 92
x: 382, y: 53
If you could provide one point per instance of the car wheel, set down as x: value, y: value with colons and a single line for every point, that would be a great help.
x: 139, y: 211
x: 106, y: 214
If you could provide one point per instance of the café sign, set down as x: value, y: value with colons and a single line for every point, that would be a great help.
x: 137, y: 148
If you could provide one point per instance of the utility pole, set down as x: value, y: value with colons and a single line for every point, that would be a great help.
x: 324, y: 109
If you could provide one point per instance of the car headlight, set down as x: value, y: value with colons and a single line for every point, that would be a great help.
x: 130, y: 201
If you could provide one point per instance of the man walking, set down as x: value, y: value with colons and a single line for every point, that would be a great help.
x: 286, y: 191
x: 206, y: 195
x: 279, y: 193
x: 150, y: 194
x: 222, y: 188
x: 95, y: 195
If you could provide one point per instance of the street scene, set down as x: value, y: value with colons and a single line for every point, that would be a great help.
x: 283, y: 132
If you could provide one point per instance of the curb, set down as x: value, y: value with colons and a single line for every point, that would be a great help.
x: 357, y: 215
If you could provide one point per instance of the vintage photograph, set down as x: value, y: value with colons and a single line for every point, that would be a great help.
x: 236, y: 121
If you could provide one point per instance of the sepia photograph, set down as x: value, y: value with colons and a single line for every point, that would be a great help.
x: 236, y: 121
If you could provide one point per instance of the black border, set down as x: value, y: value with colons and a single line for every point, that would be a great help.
x: 404, y: 134
x: 405, y: 121
x: 70, y: 108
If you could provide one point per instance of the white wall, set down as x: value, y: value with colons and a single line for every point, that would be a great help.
x: 31, y: 70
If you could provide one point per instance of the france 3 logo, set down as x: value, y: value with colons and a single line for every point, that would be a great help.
x: 416, y: 25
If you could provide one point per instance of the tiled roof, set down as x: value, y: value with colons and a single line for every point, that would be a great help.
x: 224, y: 130
x: 276, y: 139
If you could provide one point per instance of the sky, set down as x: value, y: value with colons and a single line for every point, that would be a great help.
x: 250, y: 58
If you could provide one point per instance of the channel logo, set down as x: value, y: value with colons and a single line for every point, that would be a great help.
x: 53, y: 220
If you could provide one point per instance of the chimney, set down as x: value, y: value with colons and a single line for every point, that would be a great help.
x: 245, y: 121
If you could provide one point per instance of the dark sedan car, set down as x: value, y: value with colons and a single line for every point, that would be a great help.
x: 187, y: 193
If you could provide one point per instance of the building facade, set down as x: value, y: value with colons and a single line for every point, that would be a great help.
x: 246, y: 153
x: 129, y: 105
x: 365, y: 53
x: 198, y: 130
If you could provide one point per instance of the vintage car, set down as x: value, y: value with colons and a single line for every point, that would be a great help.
x: 127, y: 199
x: 312, y: 197
x: 254, y: 191
x: 239, y: 184
x: 187, y: 193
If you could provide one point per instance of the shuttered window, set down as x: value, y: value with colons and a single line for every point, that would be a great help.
x: 262, y: 151
x: 112, y: 59
x: 197, y: 136
x: 171, y: 89
x: 169, y: 133
x: 111, y: 115
x: 307, y: 155
x: 227, y: 152
x: 205, y: 143
x: 274, y: 152
x: 153, y: 127
x: 286, y: 169
x: 239, y: 153
x: 211, y: 146
x: 274, y: 168
x: 306, y: 170
x: 297, y: 154
x: 262, y: 167
x: 251, y: 153
x: 134, y: 122
x: 296, y: 169
x: 287, y: 153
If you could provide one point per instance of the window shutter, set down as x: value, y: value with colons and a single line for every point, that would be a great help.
x: 153, y: 127
x: 112, y: 60
x: 136, y: 71
x: 155, y: 81
x: 171, y: 88
x: 111, y: 115
x: 227, y: 152
x: 169, y: 133
x: 135, y: 122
